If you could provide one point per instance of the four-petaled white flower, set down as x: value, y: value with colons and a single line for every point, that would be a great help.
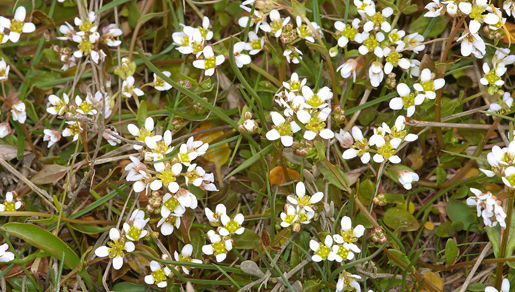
x: 322, y: 251
x: 116, y: 249
x: 231, y: 226
x: 185, y: 257
x: 159, y: 275
x: 134, y: 229
x: 5, y: 256
x: 17, y: 26
x: 4, y: 70
x: 9, y: 205
x: 159, y: 83
x: 218, y: 247
x: 209, y: 62
x: 407, y: 178
x: 51, y: 136
x: 283, y: 129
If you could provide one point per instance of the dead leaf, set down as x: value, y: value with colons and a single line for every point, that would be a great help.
x: 49, y: 174
x: 277, y: 175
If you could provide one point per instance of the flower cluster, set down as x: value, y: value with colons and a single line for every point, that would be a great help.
x: 340, y: 248
x: 301, y: 103
x: 168, y: 177
x: 281, y: 28
x: 88, y: 38
x: 478, y: 13
x: 221, y: 239
x: 488, y: 207
x: 385, y: 141
x: 75, y: 113
x: 492, y: 77
x: 17, y: 112
x: 377, y: 40
x: 122, y: 243
x: 195, y: 41
x: 300, y: 208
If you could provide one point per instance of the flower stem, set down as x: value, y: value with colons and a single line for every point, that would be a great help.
x: 504, y: 241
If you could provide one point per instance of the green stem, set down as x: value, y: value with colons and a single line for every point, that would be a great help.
x: 504, y: 241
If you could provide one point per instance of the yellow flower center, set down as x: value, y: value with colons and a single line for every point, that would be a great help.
x: 284, y: 129
x: 219, y: 247
x: 343, y: 252
x: 116, y: 248
x: 210, y: 62
x: 232, y: 226
x: 16, y: 26
x: 134, y: 232
x: 167, y: 177
x: 85, y: 46
x: 86, y: 25
x: 378, y: 18
x: 315, y: 101
x: 323, y: 251
x: 143, y: 133
x: 159, y: 276
x: 9, y: 206
x: 349, y: 236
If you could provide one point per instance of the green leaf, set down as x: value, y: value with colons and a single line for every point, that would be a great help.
x: 447, y: 229
x: 90, y: 229
x: 42, y: 239
x: 399, y: 255
x: 129, y: 287
x: 459, y: 212
x: 250, y: 161
x: 366, y: 191
x: 247, y: 240
x: 451, y: 251
x: 142, y: 113
x: 134, y: 14
x: 441, y: 175
x: 330, y: 177
x: 400, y: 219
x: 421, y: 23
x: 111, y: 5
x: 410, y: 9
x: 149, y: 16
x: 298, y: 8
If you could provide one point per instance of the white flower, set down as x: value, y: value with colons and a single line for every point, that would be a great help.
x: 493, y: 76
x: 322, y: 251
x: 51, y: 136
x: 241, y: 58
x: 379, y: 21
x: 86, y: 25
x: 472, y: 43
x: 505, y: 286
x: 111, y: 138
x: 256, y: 43
x: 142, y: 134
x: 276, y: 23
x: 348, y: 282
x: 4, y: 70
x: 18, y: 25
x: 316, y: 100
x: 160, y: 147
x: 168, y: 223
x: 159, y: 275
x: 56, y: 105
x: 488, y: 207
x: 128, y: 88
x: 505, y: 104
x: 348, y: 68
x: 5, y: 129
x: 365, y: 7
x: 509, y: 7
x: 160, y: 84
x: 393, y: 59
x: 509, y: 177
x: 303, y: 200
x: 214, y: 217
x: 294, y: 85
x: 289, y: 216
x: 258, y: 18
x: 283, y: 129
x: 204, y: 29
x: 116, y: 249
x: 3, y: 38
x: 435, y: 9
x: 9, y: 205
x: 406, y: 178
x: 293, y: 55
x: 348, y: 234
x: 210, y: 61
x: 344, y: 138
x: 359, y: 148
x: 376, y: 74
x: 85, y: 106
x: 171, y: 205
x: 187, y: 198
x: 183, y: 40
x: 18, y: 112
x: 427, y: 85
x: 342, y: 250
x: 73, y: 129
x: 304, y: 32
x: 5, y: 256
x: 406, y: 100
x: 111, y: 33
x: 185, y: 257
x: 370, y: 43
x: 414, y: 41
x: 218, y: 247
x: 231, y: 226
x: 346, y: 32
x: 191, y: 150
x: 315, y: 124
x: 134, y: 230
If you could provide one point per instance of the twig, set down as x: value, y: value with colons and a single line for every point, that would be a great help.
x: 474, y: 268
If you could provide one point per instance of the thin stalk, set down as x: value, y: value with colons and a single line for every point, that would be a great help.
x: 504, y: 241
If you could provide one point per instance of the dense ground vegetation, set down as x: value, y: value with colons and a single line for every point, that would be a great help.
x: 212, y: 145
